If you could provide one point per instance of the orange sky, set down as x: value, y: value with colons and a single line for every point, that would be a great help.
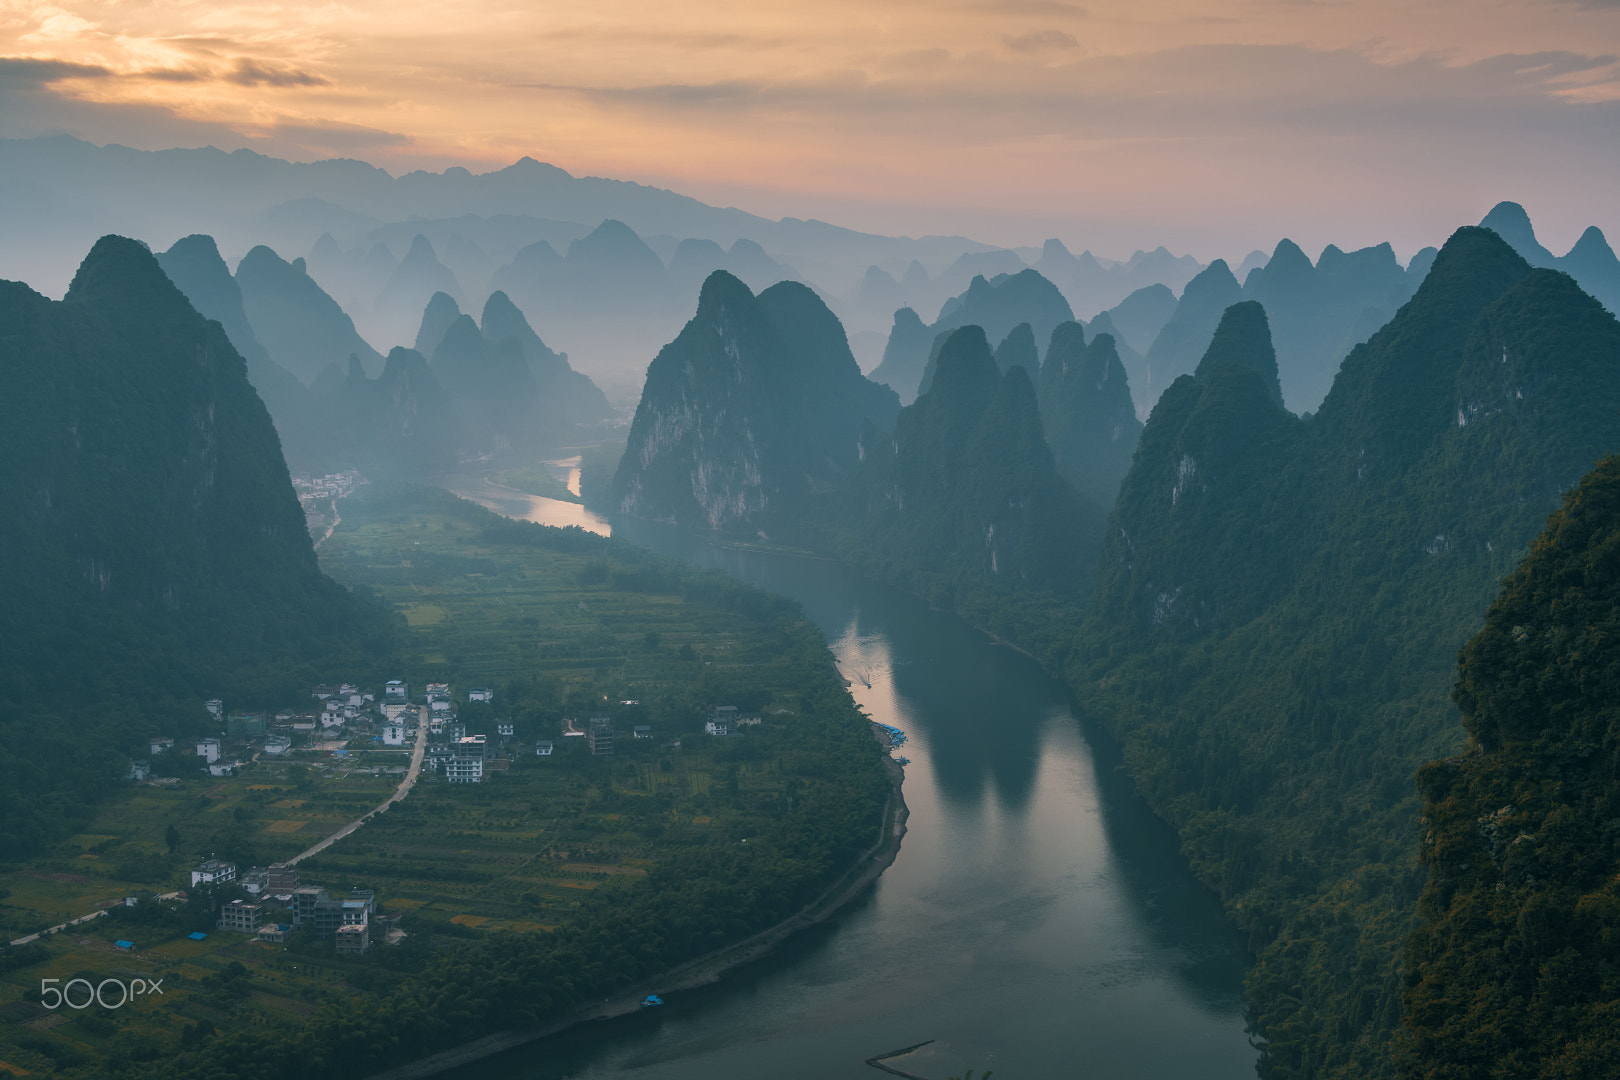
x: 1194, y: 124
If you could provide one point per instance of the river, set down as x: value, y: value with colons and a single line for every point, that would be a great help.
x: 1039, y: 920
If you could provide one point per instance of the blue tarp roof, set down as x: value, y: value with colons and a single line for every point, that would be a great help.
x: 124, y: 944
x: 196, y: 935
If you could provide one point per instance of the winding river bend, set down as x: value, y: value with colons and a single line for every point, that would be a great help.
x: 1039, y: 920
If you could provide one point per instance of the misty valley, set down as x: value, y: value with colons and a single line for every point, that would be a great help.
x: 518, y: 625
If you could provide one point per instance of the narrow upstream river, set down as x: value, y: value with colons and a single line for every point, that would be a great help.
x: 1038, y: 922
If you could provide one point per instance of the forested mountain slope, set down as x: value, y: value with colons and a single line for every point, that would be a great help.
x: 1280, y: 601
x: 1516, y: 966
x: 154, y: 552
x: 966, y: 491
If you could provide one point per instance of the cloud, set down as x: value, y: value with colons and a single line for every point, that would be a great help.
x: 1195, y: 92
x: 27, y: 73
x: 249, y: 72
x: 1041, y: 40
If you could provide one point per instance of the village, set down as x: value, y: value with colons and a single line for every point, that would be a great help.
x: 343, y: 728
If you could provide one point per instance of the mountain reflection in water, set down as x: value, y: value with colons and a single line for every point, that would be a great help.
x: 1039, y: 921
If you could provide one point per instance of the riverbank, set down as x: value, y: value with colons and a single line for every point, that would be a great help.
x: 704, y: 970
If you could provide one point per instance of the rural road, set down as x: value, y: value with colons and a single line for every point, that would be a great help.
x: 404, y: 789
x: 405, y: 786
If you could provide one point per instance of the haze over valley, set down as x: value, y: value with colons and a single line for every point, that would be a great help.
x: 716, y: 544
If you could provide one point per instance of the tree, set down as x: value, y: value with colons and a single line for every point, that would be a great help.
x: 171, y: 836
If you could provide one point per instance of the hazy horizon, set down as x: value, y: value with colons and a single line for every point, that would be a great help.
x: 1209, y: 130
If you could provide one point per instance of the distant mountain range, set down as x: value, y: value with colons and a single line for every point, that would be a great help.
x: 358, y: 228
x: 337, y: 404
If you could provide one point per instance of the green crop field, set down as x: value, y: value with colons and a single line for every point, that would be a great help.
x: 535, y: 479
x: 565, y: 627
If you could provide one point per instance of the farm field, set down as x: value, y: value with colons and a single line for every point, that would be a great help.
x: 564, y: 628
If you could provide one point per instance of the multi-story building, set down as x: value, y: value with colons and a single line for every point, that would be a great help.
x: 243, y: 916
x: 466, y: 764
x: 213, y: 872
x: 355, y: 938
x: 601, y: 735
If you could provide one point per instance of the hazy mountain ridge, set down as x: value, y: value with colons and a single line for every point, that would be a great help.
x: 967, y: 488
x: 996, y: 305
x: 1087, y: 413
x: 1591, y: 261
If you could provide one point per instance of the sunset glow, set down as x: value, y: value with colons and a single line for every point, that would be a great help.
x: 1163, y: 121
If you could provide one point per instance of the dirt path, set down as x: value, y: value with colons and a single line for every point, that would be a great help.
x: 405, y: 786
x: 337, y: 519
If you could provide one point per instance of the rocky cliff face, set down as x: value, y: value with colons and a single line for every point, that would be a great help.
x: 756, y: 404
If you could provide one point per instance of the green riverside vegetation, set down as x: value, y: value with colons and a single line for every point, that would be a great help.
x: 557, y: 881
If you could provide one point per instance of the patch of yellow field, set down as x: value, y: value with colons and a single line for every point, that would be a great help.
x: 530, y: 927
x: 595, y: 868
x: 288, y: 826
x: 700, y: 821
x: 577, y: 884
x: 423, y: 614
x: 474, y: 921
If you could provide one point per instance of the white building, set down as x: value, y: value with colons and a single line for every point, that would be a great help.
x: 208, y: 750
x: 213, y: 872
x: 161, y: 744
x: 393, y: 734
x: 481, y: 693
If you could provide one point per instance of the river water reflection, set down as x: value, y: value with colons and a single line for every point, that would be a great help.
x: 1039, y: 920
